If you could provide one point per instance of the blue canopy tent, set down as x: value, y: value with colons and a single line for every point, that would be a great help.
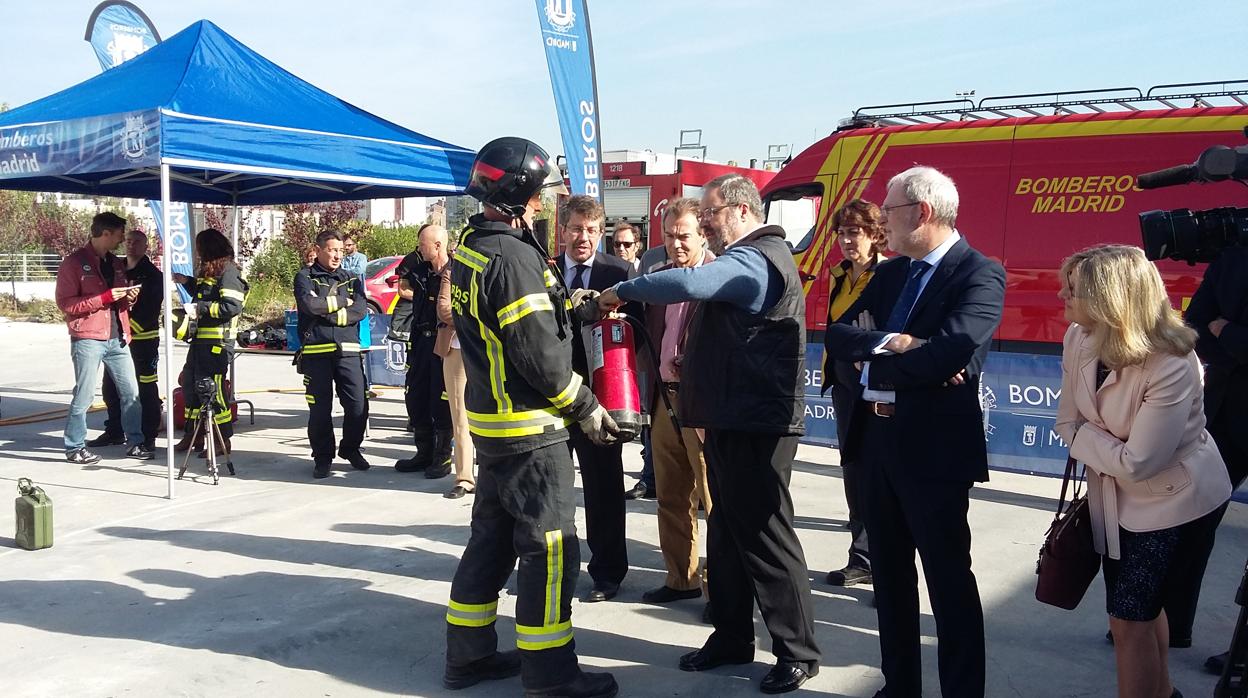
x: 201, y: 118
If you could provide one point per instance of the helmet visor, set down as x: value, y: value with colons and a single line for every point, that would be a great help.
x: 554, y: 180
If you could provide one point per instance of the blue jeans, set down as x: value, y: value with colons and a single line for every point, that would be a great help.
x: 88, y: 354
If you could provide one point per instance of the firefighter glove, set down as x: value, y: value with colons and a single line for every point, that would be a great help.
x: 585, y: 306
x: 600, y: 427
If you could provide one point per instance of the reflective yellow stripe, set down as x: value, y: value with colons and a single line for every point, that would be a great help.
x: 493, y: 352
x: 543, y: 637
x: 471, y: 615
x: 310, y: 398
x: 183, y: 326
x: 527, y: 304
x: 554, y: 575
x: 568, y: 394
x: 150, y: 334
x: 320, y: 348
x: 214, y: 309
x: 148, y: 379
x: 469, y: 258
x: 217, y: 332
x: 548, y: 277
x: 342, y: 317
x: 216, y: 350
x: 135, y: 326
x: 231, y: 293
x: 350, y: 346
x: 516, y: 423
x: 331, y: 304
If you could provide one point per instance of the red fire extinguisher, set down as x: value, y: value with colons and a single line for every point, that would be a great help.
x: 613, y: 373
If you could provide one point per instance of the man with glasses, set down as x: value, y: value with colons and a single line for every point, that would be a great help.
x: 742, y: 380
x: 627, y: 247
x: 602, y: 467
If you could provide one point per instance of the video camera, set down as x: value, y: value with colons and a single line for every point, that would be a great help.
x: 1197, y: 236
x: 206, y: 391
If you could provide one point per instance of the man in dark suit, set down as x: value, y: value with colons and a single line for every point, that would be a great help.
x: 918, y: 428
x: 602, y: 467
x: 1219, y: 314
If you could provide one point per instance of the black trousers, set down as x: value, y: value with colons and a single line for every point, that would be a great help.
x: 753, y: 548
x: 1182, y: 599
x: 602, y: 479
x: 851, y: 478
x: 905, y: 513
x: 145, y: 354
x: 323, y: 373
x: 524, y: 508
x: 424, y: 386
x: 210, y: 361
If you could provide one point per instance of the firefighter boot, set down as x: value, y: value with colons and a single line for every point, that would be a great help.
x: 586, y: 685
x: 423, y: 438
x: 440, y: 465
x: 185, y: 444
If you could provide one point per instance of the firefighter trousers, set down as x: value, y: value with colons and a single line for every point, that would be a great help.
x: 145, y: 354
x: 210, y: 361
x: 322, y: 373
x: 523, y: 509
x: 424, y: 388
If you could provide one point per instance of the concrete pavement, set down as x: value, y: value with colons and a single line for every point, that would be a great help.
x: 274, y: 584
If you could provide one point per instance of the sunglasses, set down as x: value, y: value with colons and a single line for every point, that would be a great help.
x: 625, y: 245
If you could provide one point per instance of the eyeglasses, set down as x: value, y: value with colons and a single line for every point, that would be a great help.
x: 886, y: 209
x: 625, y: 244
x: 585, y: 230
x: 708, y: 212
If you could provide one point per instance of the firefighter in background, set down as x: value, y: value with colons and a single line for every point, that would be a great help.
x: 511, y: 315
x: 424, y: 389
x: 331, y: 304
x: 144, y: 346
x: 218, y: 292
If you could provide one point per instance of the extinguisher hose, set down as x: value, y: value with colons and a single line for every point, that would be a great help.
x: 640, y: 328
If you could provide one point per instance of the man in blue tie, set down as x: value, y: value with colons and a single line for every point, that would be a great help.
x: 918, y: 428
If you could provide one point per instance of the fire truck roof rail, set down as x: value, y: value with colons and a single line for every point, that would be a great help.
x: 1115, y: 99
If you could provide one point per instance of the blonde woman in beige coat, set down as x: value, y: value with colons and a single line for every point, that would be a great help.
x: 1132, y: 411
x: 447, y: 346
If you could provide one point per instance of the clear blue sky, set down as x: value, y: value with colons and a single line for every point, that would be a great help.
x: 747, y: 73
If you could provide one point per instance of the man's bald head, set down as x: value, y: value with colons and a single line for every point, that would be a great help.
x: 431, y: 241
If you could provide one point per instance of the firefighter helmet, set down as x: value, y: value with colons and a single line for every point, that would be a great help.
x: 509, y: 171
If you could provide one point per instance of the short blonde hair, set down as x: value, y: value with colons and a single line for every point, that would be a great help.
x: 1125, y: 298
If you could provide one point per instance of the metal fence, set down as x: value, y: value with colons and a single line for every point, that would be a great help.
x: 29, y: 266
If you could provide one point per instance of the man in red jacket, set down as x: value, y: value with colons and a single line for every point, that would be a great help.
x: 92, y: 291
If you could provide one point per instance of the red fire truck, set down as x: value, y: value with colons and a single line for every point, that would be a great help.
x: 1039, y: 177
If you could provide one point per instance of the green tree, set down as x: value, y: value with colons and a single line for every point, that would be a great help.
x: 17, y: 234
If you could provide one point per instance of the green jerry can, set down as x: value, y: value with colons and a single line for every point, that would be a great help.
x: 34, y: 516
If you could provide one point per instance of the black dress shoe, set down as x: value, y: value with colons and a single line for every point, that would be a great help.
x: 637, y: 492
x: 107, y: 439
x: 848, y: 577
x: 1217, y: 663
x: 356, y: 459
x: 321, y: 470
x: 706, y: 658
x: 456, y: 492
x: 500, y: 665
x: 587, y: 685
x: 786, y: 676
x: 602, y: 592
x: 666, y: 594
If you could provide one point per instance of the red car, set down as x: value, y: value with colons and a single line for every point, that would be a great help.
x: 381, y: 284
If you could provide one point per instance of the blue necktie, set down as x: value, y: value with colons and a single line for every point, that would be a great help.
x: 909, y: 294
x: 578, y: 279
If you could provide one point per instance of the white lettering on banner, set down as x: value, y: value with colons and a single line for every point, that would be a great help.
x: 179, y: 235
x: 24, y: 139
x: 589, y: 138
x: 28, y: 163
x: 560, y: 43
x: 1054, y: 439
x: 1033, y: 395
x: 814, y: 379
x: 818, y: 411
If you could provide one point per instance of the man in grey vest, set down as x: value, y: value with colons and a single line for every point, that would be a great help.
x: 742, y: 382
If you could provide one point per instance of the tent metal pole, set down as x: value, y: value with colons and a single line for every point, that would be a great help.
x: 167, y: 329
x: 234, y: 244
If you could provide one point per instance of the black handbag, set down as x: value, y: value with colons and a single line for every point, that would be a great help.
x: 1068, y: 562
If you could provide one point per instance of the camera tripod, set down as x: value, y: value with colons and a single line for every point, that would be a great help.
x: 1234, y: 681
x: 208, y: 423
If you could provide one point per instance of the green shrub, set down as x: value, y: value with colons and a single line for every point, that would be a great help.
x: 277, y: 263
x: 267, y: 302
x: 384, y: 241
x: 34, y: 310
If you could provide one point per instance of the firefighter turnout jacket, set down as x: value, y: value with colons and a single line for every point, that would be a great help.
x: 331, y: 305
x: 511, y: 316
x: 218, y: 305
x: 145, y: 312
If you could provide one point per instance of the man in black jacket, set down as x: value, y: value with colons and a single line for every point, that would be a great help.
x: 514, y: 330
x: 917, y: 428
x: 602, y: 467
x: 742, y: 380
x: 331, y: 304
x: 145, y: 321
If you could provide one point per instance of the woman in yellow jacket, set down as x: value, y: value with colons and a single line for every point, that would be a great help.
x: 861, y: 238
